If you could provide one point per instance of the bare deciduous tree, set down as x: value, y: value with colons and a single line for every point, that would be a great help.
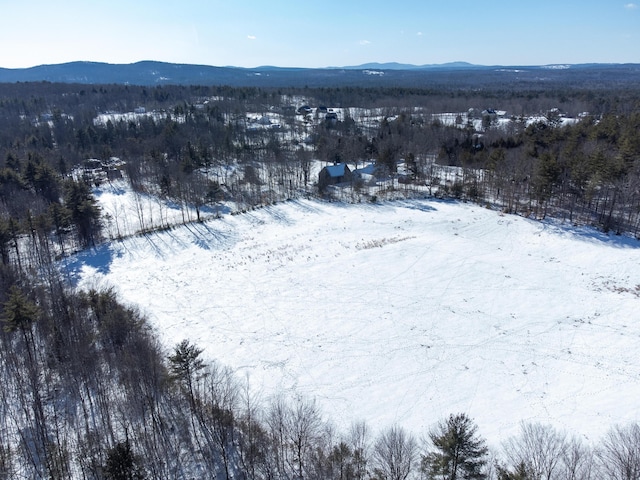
x: 578, y: 461
x: 303, y: 426
x: 539, y: 447
x: 359, y: 440
x: 394, y: 454
x: 619, y: 453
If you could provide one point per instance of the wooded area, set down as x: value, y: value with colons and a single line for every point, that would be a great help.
x: 88, y: 391
x: 204, y: 145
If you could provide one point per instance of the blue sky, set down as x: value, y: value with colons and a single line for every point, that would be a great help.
x: 306, y: 33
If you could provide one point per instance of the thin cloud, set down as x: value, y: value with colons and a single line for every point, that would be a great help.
x: 251, y: 37
x: 419, y: 34
x: 365, y: 42
x: 631, y: 6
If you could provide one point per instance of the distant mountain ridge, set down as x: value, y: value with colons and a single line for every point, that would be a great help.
x: 452, y: 74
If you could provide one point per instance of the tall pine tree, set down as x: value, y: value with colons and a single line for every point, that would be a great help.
x: 458, y: 451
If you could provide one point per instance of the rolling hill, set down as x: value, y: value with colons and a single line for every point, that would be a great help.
x: 453, y: 75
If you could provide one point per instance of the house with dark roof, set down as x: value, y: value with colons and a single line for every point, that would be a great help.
x: 334, y: 175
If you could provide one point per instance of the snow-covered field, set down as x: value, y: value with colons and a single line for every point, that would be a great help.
x: 400, y: 312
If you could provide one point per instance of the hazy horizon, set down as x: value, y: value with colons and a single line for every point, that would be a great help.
x: 390, y: 64
x: 291, y: 34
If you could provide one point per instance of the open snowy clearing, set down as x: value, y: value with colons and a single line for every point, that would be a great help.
x: 399, y: 313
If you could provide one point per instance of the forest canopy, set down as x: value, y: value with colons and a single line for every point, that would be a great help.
x: 89, y: 392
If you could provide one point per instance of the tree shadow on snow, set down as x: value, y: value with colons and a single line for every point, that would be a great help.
x: 98, y: 258
x: 207, y: 238
x: 590, y: 234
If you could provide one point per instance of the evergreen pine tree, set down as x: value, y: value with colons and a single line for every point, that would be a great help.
x: 458, y: 450
x: 122, y: 463
x: 184, y: 365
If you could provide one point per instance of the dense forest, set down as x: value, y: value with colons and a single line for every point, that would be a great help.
x: 88, y: 390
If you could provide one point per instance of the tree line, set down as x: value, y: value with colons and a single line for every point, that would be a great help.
x: 196, y: 146
x: 584, y: 173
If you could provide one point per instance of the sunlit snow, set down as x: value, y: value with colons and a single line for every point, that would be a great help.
x: 399, y: 313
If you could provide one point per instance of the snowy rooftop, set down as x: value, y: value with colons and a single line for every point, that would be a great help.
x: 336, y: 170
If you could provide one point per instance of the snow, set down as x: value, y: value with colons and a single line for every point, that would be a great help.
x: 398, y: 313
x: 114, y: 117
x: 126, y: 212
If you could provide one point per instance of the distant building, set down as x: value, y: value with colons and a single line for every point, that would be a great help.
x: 96, y: 171
x: 334, y: 175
